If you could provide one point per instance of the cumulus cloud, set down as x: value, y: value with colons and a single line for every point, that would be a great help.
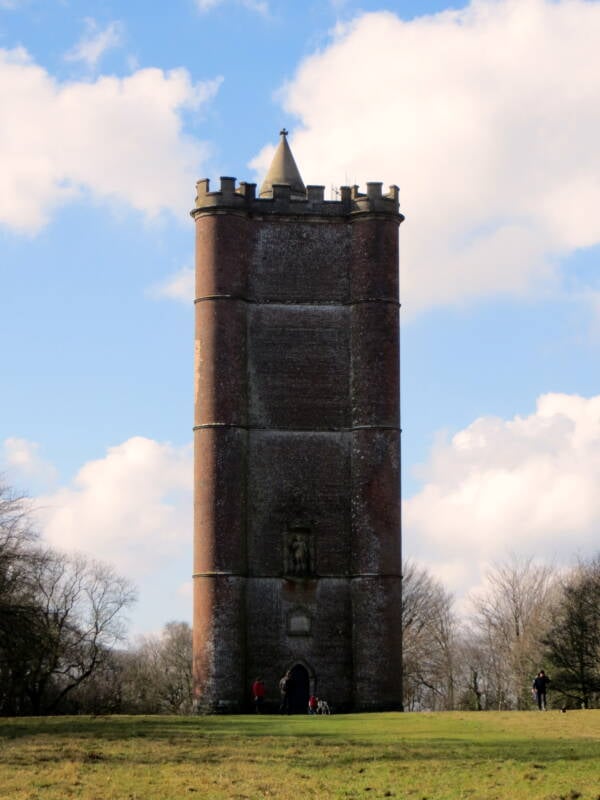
x: 113, y: 139
x: 487, y: 119
x: 528, y: 485
x: 95, y: 42
x: 132, y: 507
x: 22, y: 460
x: 179, y: 286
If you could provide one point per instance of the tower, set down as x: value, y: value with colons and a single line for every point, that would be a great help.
x: 297, y: 556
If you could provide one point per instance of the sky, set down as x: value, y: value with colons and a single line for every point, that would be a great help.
x: 486, y: 114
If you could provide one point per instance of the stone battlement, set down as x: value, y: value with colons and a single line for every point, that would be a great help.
x: 243, y: 198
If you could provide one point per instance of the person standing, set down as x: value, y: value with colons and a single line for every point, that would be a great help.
x: 285, y: 687
x: 258, y: 695
x: 540, y: 682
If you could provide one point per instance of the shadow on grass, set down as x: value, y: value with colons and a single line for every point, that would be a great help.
x: 123, y: 727
x: 301, y: 742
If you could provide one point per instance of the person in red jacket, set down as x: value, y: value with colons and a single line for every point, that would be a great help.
x: 258, y: 694
x: 313, y: 702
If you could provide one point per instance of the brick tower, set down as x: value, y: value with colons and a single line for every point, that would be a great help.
x: 297, y: 559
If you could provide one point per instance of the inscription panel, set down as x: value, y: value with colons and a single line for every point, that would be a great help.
x: 298, y: 367
x: 299, y: 623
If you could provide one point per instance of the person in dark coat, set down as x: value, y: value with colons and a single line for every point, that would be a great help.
x: 540, y: 682
x: 285, y: 687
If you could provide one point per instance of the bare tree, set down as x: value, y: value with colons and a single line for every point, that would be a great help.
x: 18, y: 555
x: 17, y: 536
x: 160, y: 672
x: 176, y: 663
x: 511, y: 618
x: 80, y: 603
x: 59, y: 615
x: 428, y: 641
x: 473, y: 674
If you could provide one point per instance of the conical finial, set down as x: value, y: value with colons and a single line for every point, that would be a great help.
x: 283, y: 170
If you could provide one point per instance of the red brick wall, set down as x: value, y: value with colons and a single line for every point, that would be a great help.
x: 297, y: 434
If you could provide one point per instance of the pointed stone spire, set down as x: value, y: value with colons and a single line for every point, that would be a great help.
x: 284, y: 170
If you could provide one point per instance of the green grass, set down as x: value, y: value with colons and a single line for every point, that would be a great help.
x: 508, y: 756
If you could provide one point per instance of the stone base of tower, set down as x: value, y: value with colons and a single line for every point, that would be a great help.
x: 339, y: 634
x: 377, y: 643
x: 219, y: 651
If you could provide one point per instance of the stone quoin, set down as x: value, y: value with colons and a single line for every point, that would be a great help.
x: 297, y: 545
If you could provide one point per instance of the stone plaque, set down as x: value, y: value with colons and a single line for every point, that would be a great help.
x: 299, y: 623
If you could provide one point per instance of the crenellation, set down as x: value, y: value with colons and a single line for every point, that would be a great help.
x: 374, y: 201
x: 227, y: 187
x: 247, y: 190
x: 315, y: 194
x: 285, y: 201
x: 202, y: 189
x: 374, y: 191
x: 282, y: 193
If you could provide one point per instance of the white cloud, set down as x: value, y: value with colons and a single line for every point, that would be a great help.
x: 527, y: 485
x: 487, y: 117
x: 114, y: 139
x: 207, y: 5
x: 259, y: 6
x: 95, y: 42
x: 133, y: 507
x: 179, y: 286
x: 21, y: 459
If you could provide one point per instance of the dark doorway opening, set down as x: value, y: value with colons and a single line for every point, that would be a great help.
x: 299, y: 689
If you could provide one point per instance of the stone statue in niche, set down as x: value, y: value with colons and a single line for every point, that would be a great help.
x: 299, y: 553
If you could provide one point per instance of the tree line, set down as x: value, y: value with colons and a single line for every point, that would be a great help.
x: 62, y: 631
x: 63, y: 636
x: 528, y: 617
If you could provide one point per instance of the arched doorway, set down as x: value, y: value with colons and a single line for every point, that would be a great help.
x: 299, y: 690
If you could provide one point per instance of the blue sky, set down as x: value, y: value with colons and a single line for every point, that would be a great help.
x: 486, y: 115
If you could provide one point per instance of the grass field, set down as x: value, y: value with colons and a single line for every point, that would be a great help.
x: 435, y: 756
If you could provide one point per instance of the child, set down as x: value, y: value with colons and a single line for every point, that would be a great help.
x: 323, y: 707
